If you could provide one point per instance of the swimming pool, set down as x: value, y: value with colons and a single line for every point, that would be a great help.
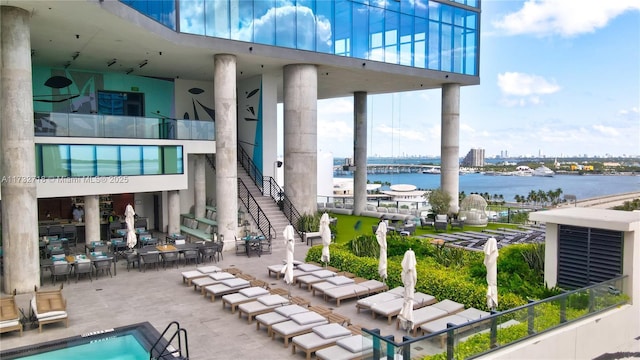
x: 125, y: 343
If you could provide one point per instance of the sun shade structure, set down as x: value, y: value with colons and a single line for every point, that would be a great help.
x: 490, y: 262
x: 325, y: 233
x: 473, y: 210
x: 409, y: 279
x: 129, y: 215
x: 381, y: 236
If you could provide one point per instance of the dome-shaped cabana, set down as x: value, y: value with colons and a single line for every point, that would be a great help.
x: 473, y: 210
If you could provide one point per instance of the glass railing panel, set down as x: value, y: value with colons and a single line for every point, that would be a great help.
x: 51, y: 124
x: 85, y: 125
x: 147, y: 128
x: 118, y: 126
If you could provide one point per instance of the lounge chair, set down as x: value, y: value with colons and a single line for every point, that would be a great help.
x: 9, y: 315
x: 349, y: 348
x: 299, y: 324
x: 305, y: 269
x: 210, y: 279
x: 49, y: 307
x: 227, y: 286
x: 468, y: 315
x: 314, y: 277
x: 319, y: 338
x: 188, y: 276
x: 367, y: 302
x: 278, y: 315
x: 243, y: 296
x: 355, y: 290
x: 432, y: 312
x: 331, y: 282
x: 392, y: 308
x: 261, y: 305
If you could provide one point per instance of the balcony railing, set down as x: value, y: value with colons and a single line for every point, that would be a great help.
x: 116, y: 126
x: 478, y: 337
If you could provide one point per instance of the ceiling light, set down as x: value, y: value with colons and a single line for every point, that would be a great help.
x: 129, y: 71
x: 111, y: 62
x: 145, y: 62
x: 75, y: 55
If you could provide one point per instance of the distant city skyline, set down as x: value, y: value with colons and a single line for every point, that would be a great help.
x: 558, y: 78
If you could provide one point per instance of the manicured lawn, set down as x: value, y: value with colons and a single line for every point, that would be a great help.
x: 350, y: 227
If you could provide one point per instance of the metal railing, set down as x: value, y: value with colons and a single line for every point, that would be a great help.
x: 255, y: 211
x: 120, y: 126
x: 269, y: 187
x: 167, y: 350
x: 478, y: 337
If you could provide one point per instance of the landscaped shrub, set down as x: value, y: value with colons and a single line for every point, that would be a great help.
x: 365, y: 245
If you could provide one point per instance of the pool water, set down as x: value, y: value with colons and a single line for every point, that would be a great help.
x: 124, y: 347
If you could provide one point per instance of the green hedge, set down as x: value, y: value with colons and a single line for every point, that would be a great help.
x: 433, y: 278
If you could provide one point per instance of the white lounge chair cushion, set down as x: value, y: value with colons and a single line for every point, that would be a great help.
x: 8, y: 323
x: 427, y: 313
x: 234, y: 298
x: 295, y: 262
x: 271, y: 318
x: 306, y: 318
x: 372, y: 284
x: 473, y: 313
x: 254, y: 291
x: 190, y: 274
x: 347, y: 290
x: 355, y: 344
x: 340, y: 280
x: 272, y: 300
x: 308, y: 267
x: 309, y: 279
x: 330, y: 331
x: 235, y: 283
x: 275, y: 268
x: 441, y: 324
x: 50, y: 315
x: 221, y: 276
x: 209, y: 269
x: 204, y: 281
x: 369, y: 301
x: 449, y: 306
x: 289, y: 310
x: 323, y: 274
x: 291, y: 327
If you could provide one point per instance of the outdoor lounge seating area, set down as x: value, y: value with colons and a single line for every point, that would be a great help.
x: 49, y: 307
x: 9, y: 315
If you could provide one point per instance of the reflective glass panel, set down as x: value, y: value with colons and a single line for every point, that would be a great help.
x: 470, y: 54
x: 458, y: 42
x: 130, y: 160
x: 55, y: 160
x: 324, y: 24
x: 192, y: 19
x: 172, y: 159
x: 445, y: 47
x: 264, y: 27
x: 107, y: 160
x: 360, y: 44
x: 376, y: 29
x: 82, y: 160
x: 285, y: 24
x: 151, y: 160
x: 306, y: 25
x: 343, y: 27
x: 220, y: 11
x: 419, y: 50
x: 406, y: 40
x: 433, y: 57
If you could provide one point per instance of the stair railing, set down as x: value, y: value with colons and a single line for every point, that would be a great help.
x: 269, y: 187
x: 257, y: 214
x: 164, y: 351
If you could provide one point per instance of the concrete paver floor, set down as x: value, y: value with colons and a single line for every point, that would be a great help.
x: 160, y: 297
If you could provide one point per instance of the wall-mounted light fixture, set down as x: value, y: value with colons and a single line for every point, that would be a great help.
x: 142, y: 64
x: 129, y: 71
x: 111, y: 62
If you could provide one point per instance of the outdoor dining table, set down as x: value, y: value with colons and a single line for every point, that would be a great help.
x: 252, y: 244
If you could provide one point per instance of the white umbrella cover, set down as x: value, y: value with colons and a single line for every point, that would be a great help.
x: 129, y: 214
x: 381, y: 236
x: 287, y: 270
x: 490, y: 262
x: 325, y: 233
x: 409, y: 278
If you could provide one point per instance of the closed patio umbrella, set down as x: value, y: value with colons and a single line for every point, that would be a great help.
x: 381, y: 236
x: 490, y: 262
x: 129, y: 215
x: 325, y: 233
x: 287, y: 270
x: 409, y: 278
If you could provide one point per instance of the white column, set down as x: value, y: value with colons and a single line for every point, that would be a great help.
x: 200, y: 185
x: 360, y: 152
x: 450, y: 143
x: 91, y: 219
x: 301, y: 136
x: 173, y: 199
x: 226, y: 147
x: 19, y: 199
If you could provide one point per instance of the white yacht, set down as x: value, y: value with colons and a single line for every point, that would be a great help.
x: 543, y: 171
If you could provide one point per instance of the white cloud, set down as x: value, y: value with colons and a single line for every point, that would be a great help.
x: 606, y: 130
x: 332, y: 107
x: 404, y: 134
x: 564, y: 17
x: 519, y: 84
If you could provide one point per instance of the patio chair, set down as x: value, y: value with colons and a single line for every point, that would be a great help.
x: 49, y: 307
x: 265, y: 245
x: 241, y: 246
x: 104, y: 265
x: 149, y: 258
x: 83, y: 267
x: 70, y: 232
x: 208, y: 253
x: 9, y: 315
x: 169, y: 258
x: 299, y: 324
x: 190, y: 255
x: 441, y: 223
x: 426, y: 222
x: 60, y: 269
x: 319, y: 338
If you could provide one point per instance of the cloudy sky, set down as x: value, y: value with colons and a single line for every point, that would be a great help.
x: 557, y: 77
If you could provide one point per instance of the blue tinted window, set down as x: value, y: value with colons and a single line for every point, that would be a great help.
x: 343, y: 27
x: 306, y: 25
x: 192, y: 17
x: 242, y: 24
x: 445, y: 47
x: 324, y: 23
x: 376, y: 32
x: 360, y: 44
x: 391, y: 38
x: 82, y: 160
x: 420, y: 43
x: 151, y: 160
x: 406, y: 40
x: 130, y: 160
x: 107, y: 160
x: 433, y: 57
x: 264, y: 27
x: 285, y: 24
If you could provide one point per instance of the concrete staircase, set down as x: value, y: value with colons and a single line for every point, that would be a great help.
x: 271, y: 210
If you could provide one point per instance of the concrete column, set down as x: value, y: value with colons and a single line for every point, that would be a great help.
x: 360, y: 152
x: 450, y: 143
x: 200, y: 185
x: 226, y: 147
x: 173, y: 205
x: 18, y: 185
x: 301, y: 136
x: 91, y: 218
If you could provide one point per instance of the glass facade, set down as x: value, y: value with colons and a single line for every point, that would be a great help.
x: 419, y: 33
x: 63, y: 161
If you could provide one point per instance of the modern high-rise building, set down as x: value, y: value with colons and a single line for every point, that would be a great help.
x: 152, y: 103
x: 474, y: 158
